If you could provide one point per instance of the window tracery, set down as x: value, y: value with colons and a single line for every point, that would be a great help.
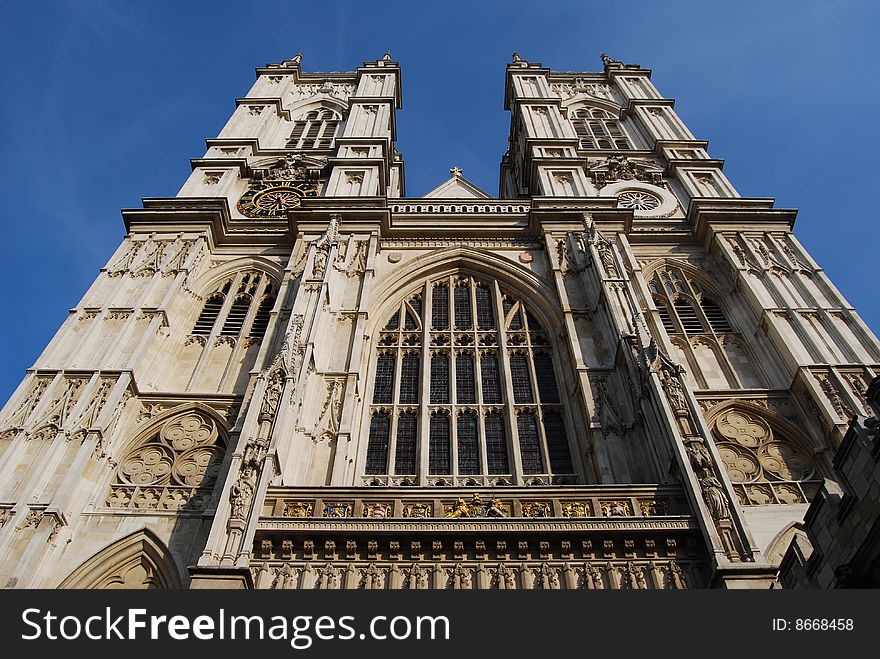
x: 599, y: 129
x: 246, y: 312
x: 714, y: 353
x: 316, y: 130
x: 463, y: 380
x: 175, y: 469
x: 765, y: 466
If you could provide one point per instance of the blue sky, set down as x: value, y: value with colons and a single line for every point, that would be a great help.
x: 105, y: 103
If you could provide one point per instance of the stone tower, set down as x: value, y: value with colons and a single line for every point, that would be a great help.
x: 617, y: 374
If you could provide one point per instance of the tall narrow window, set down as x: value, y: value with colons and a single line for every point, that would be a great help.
x: 261, y: 319
x: 689, y: 305
x: 440, y: 307
x: 688, y: 317
x: 465, y: 391
x: 496, y: 445
x: 410, y: 322
x: 665, y: 318
x: 409, y: 379
x: 236, y: 316
x: 491, y: 379
x: 210, y: 312
x: 405, y: 449
x: 485, y: 313
x: 546, y: 378
x: 557, y: 443
x: 377, y: 444
x: 439, y: 451
x: 529, y: 444
x: 251, y: 289
x: 462, y: 307
x: 715, y: 316
x: 468, y: 444
x: 440, y: 379
x: 384, y: 386
x: 522, y: 383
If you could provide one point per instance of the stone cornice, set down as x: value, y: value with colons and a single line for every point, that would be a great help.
x: 709, y: 215
x: 479, y: 525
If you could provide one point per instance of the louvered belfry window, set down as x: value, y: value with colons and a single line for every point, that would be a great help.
x: 684, y: 307
x: 315, y: 130
x: 465, y: 379
x: 598, y: 129
x: 241, y: 307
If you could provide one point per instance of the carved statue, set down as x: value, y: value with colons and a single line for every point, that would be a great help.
x: 495, y: 509
x: 699, y: 455
x: 674, y: 392
x: 460, y: 509
x: 713, y: 493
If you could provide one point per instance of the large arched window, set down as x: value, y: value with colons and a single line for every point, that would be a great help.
x: 464, y: 391
x: 239, y: 308
x: 315, y: 130
x: 599, y: 129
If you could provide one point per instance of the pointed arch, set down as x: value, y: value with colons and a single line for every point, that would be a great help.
x: 464, y: 345
x: 585, y: 101
x: 139, y: 560
x: 794, y: 532
x: 522, y: 282
x: 214, y: 278
x: 318, y: 102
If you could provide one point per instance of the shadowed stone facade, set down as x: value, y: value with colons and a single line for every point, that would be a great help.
x: 618, y: 374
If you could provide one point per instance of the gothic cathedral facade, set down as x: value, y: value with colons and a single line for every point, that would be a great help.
x: 619, y: 373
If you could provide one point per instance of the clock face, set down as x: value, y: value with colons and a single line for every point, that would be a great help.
x: 274, y: 198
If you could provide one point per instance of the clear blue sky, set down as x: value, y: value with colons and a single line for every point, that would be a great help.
x: 105, y: 102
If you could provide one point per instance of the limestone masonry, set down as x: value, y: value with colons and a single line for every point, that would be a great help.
x: 619, y: 373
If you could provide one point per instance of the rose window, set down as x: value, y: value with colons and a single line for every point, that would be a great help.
x: 638, y: 200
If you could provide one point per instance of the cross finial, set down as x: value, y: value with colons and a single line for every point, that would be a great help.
x: 455, y: 171
x: 387, y: 56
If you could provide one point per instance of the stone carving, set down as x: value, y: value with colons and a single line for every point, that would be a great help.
x: 476, y: 507
x: 338, y: 509
x: 417, y: 509
x: 576, y: 509
x: 536, y: 509
x: 359, y: 260
x: 377, y: 510
x: 323, y: 245
x: 622, y: 168
x: 89, y: 416
x: 331, y: 410
x: 146, y: 258
x: 58, y: 411
x: 616, y: 509
x: 16, y: 421
x: 415, y: 577
x: 833, y: 396
x: 299, y: 509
